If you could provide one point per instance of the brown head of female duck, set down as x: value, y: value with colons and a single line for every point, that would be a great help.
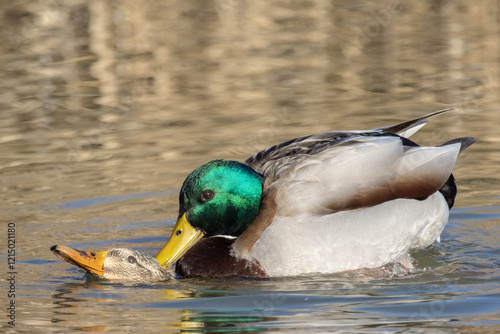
x: 118, y: 264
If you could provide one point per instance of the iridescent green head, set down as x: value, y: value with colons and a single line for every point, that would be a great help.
x: 221, y: 197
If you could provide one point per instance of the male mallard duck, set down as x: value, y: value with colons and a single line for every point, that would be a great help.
x: 323, y: 203
x: 119, y: 263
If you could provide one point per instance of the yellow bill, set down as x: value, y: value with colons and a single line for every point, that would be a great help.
x: 183, y: 238
x: 91, y: 262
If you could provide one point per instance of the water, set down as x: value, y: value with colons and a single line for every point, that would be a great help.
x: 107, y: 106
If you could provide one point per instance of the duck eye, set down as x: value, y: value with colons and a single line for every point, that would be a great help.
x: 207, y: 195
x: 131, y: 259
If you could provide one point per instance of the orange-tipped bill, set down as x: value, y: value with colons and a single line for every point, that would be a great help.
x: 91, y: 262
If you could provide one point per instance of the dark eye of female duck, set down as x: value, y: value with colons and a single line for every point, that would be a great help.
x: 131, y: 259
x: 221, y: 197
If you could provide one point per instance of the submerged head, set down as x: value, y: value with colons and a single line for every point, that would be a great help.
x: 119, y: 263
x: 221, y: 197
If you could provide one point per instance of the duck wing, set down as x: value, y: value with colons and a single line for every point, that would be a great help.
x: 406, y: 129
x: 362, y: 172
x: 274, y: 155
x: 338, y: 171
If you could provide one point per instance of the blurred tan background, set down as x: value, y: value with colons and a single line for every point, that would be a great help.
x: 105, y: 98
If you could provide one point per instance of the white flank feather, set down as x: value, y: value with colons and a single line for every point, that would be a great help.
x: 349, y: 240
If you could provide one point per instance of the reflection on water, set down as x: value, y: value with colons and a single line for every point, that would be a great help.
x: 107, y: 106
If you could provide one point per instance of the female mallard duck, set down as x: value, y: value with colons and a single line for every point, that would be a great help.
x: 323, y: 203
x: 119, y: 263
